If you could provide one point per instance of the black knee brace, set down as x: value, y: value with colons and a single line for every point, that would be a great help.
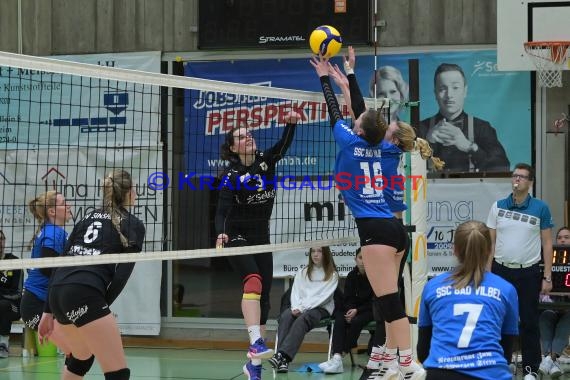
x: 391, y: 307
x: 78, y: 367
x: 122, y: 374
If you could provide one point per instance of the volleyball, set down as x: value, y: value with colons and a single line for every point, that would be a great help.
x: 325, y: 40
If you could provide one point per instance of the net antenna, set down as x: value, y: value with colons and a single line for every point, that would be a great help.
x: 549, y: 58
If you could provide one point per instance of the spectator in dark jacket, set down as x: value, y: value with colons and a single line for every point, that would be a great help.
x: 351, y: 317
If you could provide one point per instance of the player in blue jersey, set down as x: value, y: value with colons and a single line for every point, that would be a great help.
x: 468, y: 317
x: 400, y: 137
x: 382, y: 237
x: 51, y: 211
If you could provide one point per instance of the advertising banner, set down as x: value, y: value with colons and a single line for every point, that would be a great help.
x: 39, y: 107
x: 480, y: 98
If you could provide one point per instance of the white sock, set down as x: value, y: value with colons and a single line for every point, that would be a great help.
x: 337, y: 357
x: 254, y: 332
x: 5, y: 339
x: 406, y: 357
x: 376, y: 356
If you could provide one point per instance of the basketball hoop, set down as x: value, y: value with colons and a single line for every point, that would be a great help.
x: 549, y: 58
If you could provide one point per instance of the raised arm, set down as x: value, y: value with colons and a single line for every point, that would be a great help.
x: 321, y: 66
x: 357, y: 100
x: 280, y: 148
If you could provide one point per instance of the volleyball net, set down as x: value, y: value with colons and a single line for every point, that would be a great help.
x: 64, y: 125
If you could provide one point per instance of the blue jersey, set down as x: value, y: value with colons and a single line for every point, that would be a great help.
x: 50, y: 236
x: 358, y: 173
x: 395, y: 182
x: 467, y: 325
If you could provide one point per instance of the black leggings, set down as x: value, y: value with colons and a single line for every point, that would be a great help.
x: 259, y: 263
x: 438, y: 374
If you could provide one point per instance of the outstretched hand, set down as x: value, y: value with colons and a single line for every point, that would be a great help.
x: 338, y: 76
x: 321, y: 65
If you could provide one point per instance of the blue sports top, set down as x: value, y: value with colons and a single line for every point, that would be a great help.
x: 395, y: 182
x: 50, y: 236
x: 358, y: 174
x: 467, y: 325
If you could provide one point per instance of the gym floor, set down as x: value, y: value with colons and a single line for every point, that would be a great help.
x: 179, y: 364
x: 176, y: 364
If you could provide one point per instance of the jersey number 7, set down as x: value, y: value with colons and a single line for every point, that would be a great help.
x: 473, y: 312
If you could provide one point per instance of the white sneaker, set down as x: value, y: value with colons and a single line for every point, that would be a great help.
x: 555, y: 371
x: 386, y: 371
x: 333, y: 365
x: 413, y: 371
x: 529, y: 374
x: 546, y: 365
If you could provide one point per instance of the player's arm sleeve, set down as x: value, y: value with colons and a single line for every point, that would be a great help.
x: 135, y: 233
x: 331, y: 100
x: 225, y: 202
x: 47, y: 252
x: 508, y: 342
x: 510, y: 328
x: 424, y: 342
x: 491, y: 154
x: 122, y: 273
x: 356, y: 98
x: 278, y: 150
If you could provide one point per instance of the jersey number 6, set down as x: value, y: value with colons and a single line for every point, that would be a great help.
x: 92, y: 232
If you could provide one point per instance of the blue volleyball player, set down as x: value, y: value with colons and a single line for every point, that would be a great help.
x: 468, y: 317
x: 382, y: 237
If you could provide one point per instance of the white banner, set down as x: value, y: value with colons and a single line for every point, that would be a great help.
x: 452, y: 202
x: 38, y: 108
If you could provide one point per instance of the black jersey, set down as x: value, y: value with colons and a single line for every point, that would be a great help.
x: 247, y: 193
x: 96, y: 235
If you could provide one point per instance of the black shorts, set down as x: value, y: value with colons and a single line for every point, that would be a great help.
x: 77, y: 304
x: 383, y: 231
x: 31, y: 309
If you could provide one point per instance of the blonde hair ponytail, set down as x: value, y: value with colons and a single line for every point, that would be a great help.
x: 409, y: 142
x: 116, y: 188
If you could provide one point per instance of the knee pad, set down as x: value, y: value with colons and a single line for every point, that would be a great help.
x: 391, y: 307
x: 78, y: 367
x: 252, y: 287
x: 122, y: 374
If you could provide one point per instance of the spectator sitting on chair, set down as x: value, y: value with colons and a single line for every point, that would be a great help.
x: 9, y: 298
x: 554, y: 325
x: 351, y: 317
x: 311, y: 300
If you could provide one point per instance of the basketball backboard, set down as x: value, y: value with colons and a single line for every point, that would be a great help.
x: 533, y: 20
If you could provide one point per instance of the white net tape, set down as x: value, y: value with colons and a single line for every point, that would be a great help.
x: 549, y: 60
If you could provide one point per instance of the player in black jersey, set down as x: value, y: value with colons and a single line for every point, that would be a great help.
x: 79, y: 296
x: 242, y: 218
